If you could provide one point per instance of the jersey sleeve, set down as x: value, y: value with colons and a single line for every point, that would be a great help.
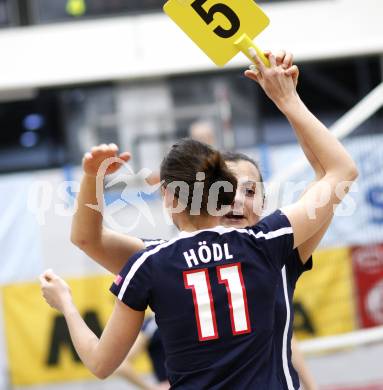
x: 133, y: 284
x: 150, y: 243
x: 274, y: 235
x: 295, y: 266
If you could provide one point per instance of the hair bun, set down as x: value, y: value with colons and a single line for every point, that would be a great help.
x: 212, y: 164
x: 186, y: 159
x: 216, y: 170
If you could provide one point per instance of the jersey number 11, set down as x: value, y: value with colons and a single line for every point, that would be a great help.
x: 199, y: 282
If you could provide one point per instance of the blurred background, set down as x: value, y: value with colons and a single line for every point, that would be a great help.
x: 76, y: 73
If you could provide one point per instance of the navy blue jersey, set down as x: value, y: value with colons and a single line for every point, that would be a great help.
x: 213, y: 293
x: 284, y: 317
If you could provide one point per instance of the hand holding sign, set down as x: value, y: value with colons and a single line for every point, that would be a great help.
x: 221, y: 28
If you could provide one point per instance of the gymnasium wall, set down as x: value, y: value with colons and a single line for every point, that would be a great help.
x: 150, y: 45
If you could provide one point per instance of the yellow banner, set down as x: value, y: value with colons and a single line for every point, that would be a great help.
x: 39, y: 346
x: 323, y: 301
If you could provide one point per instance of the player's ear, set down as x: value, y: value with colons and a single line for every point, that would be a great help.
x: 163, y: 189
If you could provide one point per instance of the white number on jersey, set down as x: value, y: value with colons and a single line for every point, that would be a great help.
x: 199, y: 282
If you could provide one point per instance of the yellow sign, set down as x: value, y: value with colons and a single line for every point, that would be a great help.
x: 218, y: 27
x: 38, y: 342
x: 323, y: 301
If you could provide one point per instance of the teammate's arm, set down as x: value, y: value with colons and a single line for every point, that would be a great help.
x: 308, y: 215
x: 101, y: 356
x: 315, y: 207
x: 108, y: 248
x: 127, y: 371
x: 299, y: 363
x: 307, y: 248
x: 311, y: 215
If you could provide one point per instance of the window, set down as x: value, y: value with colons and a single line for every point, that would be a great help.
x: 62, y: 10
x: 31, y: 136
x: 6, y: 13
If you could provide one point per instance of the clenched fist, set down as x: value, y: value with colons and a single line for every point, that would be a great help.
x: 94, y: 159
x: 55, y: 290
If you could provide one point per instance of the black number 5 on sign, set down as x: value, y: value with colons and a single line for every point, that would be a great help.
x: 208, y: 17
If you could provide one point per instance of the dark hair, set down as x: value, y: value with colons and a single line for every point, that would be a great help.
x: 187, y: 158
x: 236, y: 156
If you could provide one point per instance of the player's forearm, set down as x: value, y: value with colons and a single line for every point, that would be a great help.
x: 84, y: 340
x: 300, y: 366
x: 127, y: 372
x: 87, y: 223
x: 328, y: 151
x: 319, y: 171
x: 308, y: 247
x: 108, y: 248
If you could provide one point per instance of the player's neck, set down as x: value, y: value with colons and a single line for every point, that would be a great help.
x: 187, y: 223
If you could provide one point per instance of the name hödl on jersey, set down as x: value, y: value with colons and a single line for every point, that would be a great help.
x: 205, y: 254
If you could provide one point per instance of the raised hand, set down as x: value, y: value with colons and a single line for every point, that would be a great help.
x: 280, y: 80
x: 285, y: 59
x: 93, y: 160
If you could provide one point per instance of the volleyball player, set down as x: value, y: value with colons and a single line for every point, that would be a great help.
x: 227, y: 273
x: 110, y: 249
